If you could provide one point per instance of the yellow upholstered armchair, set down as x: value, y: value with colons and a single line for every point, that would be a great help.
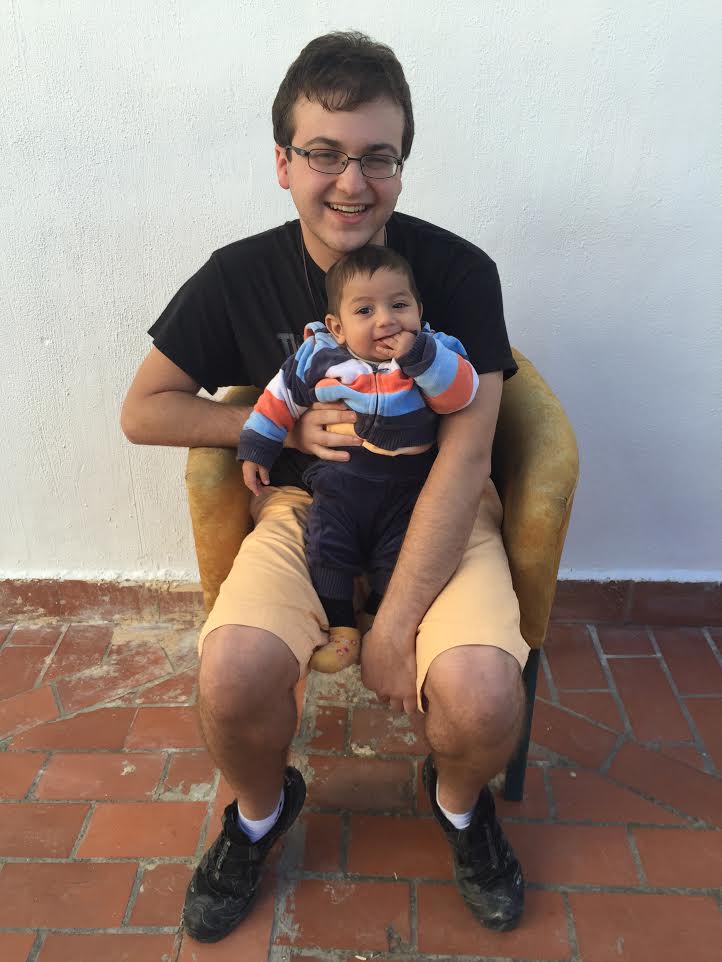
x: 535, y: 467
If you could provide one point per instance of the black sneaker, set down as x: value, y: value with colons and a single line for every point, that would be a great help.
x: 225, y: 884
x: 487, y: 872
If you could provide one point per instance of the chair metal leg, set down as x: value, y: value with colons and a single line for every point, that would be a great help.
x: 516, y: 769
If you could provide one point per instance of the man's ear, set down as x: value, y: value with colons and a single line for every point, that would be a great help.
x: 335, y: 327
x: 282, y: 162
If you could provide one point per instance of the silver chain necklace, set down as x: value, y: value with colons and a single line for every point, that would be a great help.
x: 314, y: 305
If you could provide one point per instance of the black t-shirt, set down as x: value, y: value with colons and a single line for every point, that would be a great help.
x: 241, y: 315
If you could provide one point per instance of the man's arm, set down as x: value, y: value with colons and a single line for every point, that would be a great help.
x: 446, y: 509
x: 161, y: 407
x: 435, y: 541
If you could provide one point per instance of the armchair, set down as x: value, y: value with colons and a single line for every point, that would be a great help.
x: 535, y: 467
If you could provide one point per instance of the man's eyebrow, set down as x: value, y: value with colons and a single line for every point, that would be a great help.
x: 336, y: 144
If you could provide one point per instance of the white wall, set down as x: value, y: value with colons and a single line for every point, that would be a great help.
x: 578, y: 142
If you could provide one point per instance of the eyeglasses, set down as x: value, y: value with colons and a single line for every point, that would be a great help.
x: 327, y: 161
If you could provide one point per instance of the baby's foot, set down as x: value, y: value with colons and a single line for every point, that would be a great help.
x: 365, y: 621
x: 342, y: 650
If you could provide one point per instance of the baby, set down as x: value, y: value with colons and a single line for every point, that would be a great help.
x: 398, y: 376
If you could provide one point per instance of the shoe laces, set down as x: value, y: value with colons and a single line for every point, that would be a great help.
x: 232, y: 862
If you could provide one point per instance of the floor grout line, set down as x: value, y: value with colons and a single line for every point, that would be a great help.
x: 699, y: 743
x: 551, y: 802
x: 49, y: 658
x: 711, y: 642
x: 636, y: 857
x: 571, y: 929
x: 6, y: 641
x: 134, y: 891
x: 551, y: 685
x: 619, y: 701
x: 36, y: 780
x: 37, y: 945
x: 83, y: 830
x: 576, y: 714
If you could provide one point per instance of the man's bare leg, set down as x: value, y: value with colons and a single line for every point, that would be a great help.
x: 248, y: 717
x: 248, y: 712
x: 474, y: 718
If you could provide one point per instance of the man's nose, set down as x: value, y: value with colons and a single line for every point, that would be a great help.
x: 351, y: 180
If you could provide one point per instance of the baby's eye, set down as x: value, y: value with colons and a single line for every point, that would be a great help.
x: 399, y: 305
x: 364, y: 310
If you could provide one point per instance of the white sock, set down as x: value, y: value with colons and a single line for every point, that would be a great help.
x: 257, y: 828
x: 461, y: 821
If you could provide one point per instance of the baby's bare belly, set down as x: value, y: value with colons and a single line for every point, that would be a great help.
x: 348, y: 429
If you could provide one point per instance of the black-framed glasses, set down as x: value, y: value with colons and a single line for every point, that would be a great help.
x: 329, y: 161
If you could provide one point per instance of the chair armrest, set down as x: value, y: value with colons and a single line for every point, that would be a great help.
x: 219, y: 505
x: 535, y: 466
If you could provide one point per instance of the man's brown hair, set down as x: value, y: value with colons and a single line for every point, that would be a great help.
x: 366, y: 260
x: 342, y: 71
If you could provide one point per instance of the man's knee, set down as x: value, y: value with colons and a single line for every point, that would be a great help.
x: 479, y: 692
x: 244, y: 671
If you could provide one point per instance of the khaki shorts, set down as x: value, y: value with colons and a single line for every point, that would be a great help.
x: 269, y: 587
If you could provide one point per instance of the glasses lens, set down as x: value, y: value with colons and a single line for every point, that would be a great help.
x: 378, y: 165
x: 327, y: 161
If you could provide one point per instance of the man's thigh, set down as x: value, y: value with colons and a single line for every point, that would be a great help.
x: 268, y: 586
x: 478, y: 606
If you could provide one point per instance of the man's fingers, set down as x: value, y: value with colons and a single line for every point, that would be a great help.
x: 329, y: 454
x: 410, y: 705
x: 340, y: 416
x: 333, y: 440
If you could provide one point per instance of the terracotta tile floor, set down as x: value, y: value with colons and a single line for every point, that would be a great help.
x: 108, y: 799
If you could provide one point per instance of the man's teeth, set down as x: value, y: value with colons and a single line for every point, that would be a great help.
x: 347, y: 209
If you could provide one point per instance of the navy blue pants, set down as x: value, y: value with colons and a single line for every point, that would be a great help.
x: 357, y: 522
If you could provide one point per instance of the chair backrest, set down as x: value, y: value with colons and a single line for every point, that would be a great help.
x: 535, y: 466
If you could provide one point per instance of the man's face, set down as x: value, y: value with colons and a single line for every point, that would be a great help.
x: 329, y: 233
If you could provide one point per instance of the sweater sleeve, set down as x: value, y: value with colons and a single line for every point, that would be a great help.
x: 285, y: 398
x: 438, y: 364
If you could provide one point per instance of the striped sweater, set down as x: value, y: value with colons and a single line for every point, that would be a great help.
x: 398, y: 402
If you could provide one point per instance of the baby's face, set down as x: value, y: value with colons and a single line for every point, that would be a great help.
x: 373, y: 308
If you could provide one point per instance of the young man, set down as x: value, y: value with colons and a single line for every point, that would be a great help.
x: 447, y: 632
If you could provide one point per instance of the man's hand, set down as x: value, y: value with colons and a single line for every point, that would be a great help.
x: 251, y: 474
x: 310, y: 436
x: 388, y: 667
x: 396, y: 345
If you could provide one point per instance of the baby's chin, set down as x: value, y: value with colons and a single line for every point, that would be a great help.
x: 374, y: 353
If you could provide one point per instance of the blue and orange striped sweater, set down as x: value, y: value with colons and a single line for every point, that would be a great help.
x: 398, y: 402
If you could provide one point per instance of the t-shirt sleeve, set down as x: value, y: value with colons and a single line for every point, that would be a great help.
x: 194, y: 332
x: 475, y: 314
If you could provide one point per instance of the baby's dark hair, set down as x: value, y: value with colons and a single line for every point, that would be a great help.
x: 366, y: 260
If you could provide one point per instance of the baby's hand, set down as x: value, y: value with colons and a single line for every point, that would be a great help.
x: 399, y: 344
x: 251, y: 473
